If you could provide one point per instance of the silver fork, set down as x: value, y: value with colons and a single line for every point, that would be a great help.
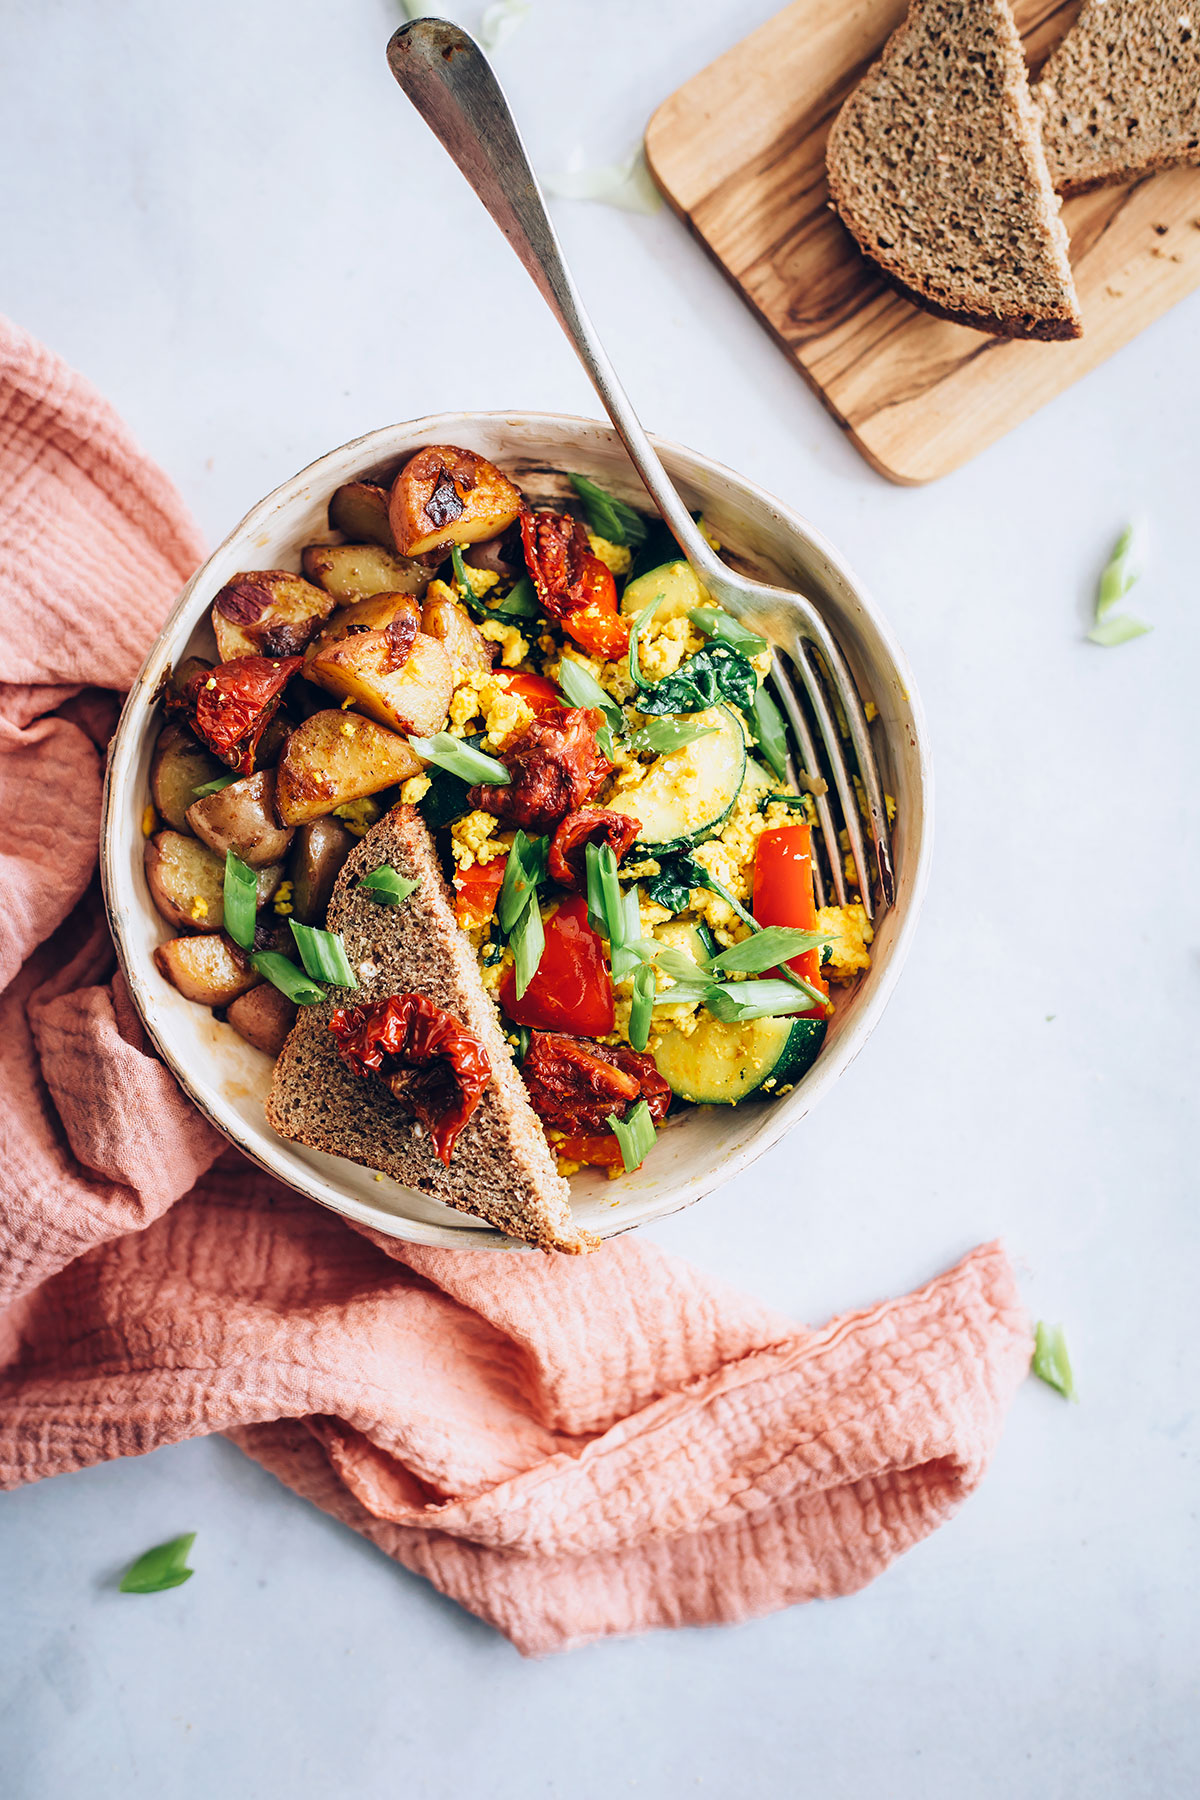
x: 451, y: 83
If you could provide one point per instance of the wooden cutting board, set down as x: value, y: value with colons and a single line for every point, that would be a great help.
x: 739, y: 151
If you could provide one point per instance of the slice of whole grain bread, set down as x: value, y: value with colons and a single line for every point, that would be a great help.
x: 936, y: 167
x: 1121, y: 94
x: 501, y: 1169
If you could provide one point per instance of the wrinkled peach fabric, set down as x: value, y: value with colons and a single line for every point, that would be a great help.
x: 571, y: 1448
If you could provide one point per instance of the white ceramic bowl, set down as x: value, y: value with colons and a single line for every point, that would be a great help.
x: 706, y: 1146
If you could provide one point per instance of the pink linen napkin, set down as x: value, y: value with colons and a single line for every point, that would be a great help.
x: 569, y: 1447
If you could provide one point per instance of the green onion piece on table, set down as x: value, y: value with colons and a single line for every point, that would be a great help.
x: 664, y: 735
x: 635, y: 1134
x: 772, y: 945
x: 1051, y: 1363
x: 715, y: 622
x: 578, y: 686
x: 527, y: 941
x: 241, y: 900
x: 457, y: 758
x: 385, y: 886
x: 282, y: 973
x: 163, y: 1567
x: 607, y: 516
x: 1120, y: 573
x: 214, y: 787
x: 323, y: 954
x: 768, y: 725
x: 642, y: 1010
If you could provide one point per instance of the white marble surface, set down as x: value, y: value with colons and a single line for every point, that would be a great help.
x: 227, y: 216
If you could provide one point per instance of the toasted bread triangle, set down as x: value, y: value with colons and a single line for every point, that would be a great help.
x: 1121, y: 94
x: 501, y: 1170
x: 936, y: 167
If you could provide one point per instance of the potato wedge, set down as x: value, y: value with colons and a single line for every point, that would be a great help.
x: 412, y: 697
x: 179, y: 766
x: 359, y: 510
x: 356, y: 571
x: 444, y: 495
x: 263, y: 1016
x: 267, y: 613
x: 444, y: 619
x: 336, y: 757
x: 191, y: 665
x: 186, y: 881
x: 241, y: 817
x: 319, y: 850
x: 374, y: 614
x: 208, y: 969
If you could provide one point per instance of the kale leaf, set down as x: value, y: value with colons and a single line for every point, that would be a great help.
x: 713, y: 674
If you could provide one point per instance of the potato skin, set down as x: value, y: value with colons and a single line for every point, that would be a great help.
x: 186, y: 882
x: 209, y: 970
x: 356, y: 571
x: 267, y: 612
x: 241, y: 817
x: 451, y: 624
x: 179, y: 766
x: 263, y: 1016
x: 444, y: 495
x: 319, y: 850
x: 359, y: 510
x: 413, y: 698
x: 373, y: 614
x: 336, y: 757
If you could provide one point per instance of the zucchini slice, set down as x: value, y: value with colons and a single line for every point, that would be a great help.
x: 718, y: 1064
x: 676, y: 583
x: 685, y: 797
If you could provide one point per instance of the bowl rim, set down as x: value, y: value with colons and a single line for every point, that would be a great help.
x: 375, y: 446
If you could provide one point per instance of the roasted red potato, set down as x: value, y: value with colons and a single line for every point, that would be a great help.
x: 267, y: 613
x: 263, y: 1016
x: 359, y: 510
x: 336, y: 757
x: 401, y: 611
x: 409, y: 695
x: 356, y: 571
x: 443, y: 618
x: 444, y: 495
x: 187, y: 881
x: 319, y: 850
x: 179, y: 766
x: 208, y: 969
x: 242, y: 818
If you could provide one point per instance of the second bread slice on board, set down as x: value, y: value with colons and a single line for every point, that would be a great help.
x: 501, y: 1169
x: 1121, y: 94
x: 936, y: 166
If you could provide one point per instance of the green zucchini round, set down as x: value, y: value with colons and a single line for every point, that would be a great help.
x: 686, y: 796
x: 719, y: 1064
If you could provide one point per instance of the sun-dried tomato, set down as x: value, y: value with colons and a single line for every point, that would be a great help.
x: 555, y: 765
x: 598, y: 626
x: 231, y: 705
x: 589, y: 825
x: 575, y: 1084
x: 572, y: 585
x: 429, y: 1061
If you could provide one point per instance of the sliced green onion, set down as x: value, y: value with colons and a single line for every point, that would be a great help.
x: 528, y: 940
x: 679, y: 965
x: 767, y: 724
x: 642, y: 1010
x: 323, y: 954
x: 213, y: 787
x: 667, y: 734
x: 686, y: 993
x: 163, y: 1567
x: 457, y: 758
x: 607, y: 516
x: 736, y: 1001
x: 747, y: 918
x: 1051, y: 1363
x: 715, y: 622
x: 798, y: 802
x: 521, y: 1033
x: 283, y: 974
x: 525, y: 868
x: 581, y: 688
x: 385, y: 886
x: 772, y: 945
x: 604, y: 743
x: 465, y: 590
x: 635, y: 1134
x: 633, y: 948
x: 639, y: 625
x: 241, y: 900
x: 520, y: 602
x: 606, y: 908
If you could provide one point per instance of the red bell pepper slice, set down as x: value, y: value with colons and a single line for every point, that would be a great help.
x: 537, y: 693
x: 475, y: 892
x: 783, y: 891
x: 598, y: 626
x: 572, y: 988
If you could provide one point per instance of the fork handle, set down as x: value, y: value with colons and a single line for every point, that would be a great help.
x: 452, y: 85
